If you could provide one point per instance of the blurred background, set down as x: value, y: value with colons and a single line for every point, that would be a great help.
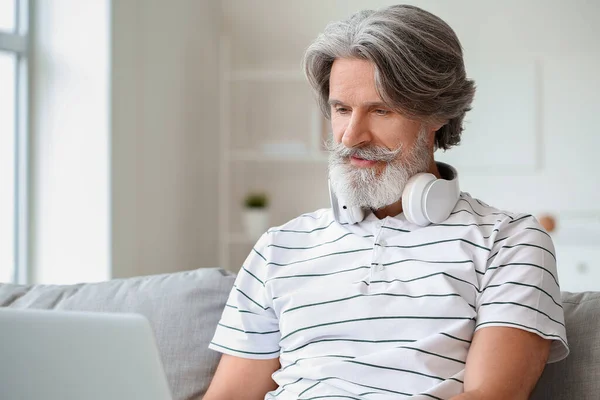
x: 150, y: 136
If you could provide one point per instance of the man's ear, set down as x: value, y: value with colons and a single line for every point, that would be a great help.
x: 432, y: 129
x: 436, y: 126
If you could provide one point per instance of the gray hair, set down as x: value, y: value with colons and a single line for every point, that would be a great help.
x: 418, y: 59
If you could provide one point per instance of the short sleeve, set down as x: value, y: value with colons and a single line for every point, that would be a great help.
x: 520, y: 287
x: 249, y: 327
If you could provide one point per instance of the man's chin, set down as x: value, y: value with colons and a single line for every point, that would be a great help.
x: 363, y: 187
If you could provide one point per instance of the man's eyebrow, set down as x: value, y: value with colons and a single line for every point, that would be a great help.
x: 371, y: 104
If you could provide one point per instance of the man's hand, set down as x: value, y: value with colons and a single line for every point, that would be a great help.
x: 241, y: 378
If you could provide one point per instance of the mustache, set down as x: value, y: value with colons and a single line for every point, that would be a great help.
x: 371, y: 153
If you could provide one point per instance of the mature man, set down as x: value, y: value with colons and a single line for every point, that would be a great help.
x: 406, y: 287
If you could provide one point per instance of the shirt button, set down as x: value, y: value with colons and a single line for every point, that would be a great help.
x: 378, y: 225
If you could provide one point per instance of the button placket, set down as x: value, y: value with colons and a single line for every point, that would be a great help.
x: 380, y: 251
x: 379, y: 242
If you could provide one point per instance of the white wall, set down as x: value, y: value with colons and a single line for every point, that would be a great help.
x: 164, y: 135
x: 70, y: 141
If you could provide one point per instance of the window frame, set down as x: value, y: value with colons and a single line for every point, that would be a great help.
x: 18, y: 43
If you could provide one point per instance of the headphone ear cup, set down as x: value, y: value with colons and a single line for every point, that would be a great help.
x: 440, y: 199
x: 413, y: 198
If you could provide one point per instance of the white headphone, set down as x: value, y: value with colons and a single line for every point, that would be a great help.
x: 425, y: 199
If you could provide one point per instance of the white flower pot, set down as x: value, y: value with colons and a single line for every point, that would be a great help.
x: 256, y: 221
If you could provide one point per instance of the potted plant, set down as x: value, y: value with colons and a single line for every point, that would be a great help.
x: 256, y: 216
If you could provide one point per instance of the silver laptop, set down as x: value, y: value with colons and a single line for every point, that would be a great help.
x: 57, y: 355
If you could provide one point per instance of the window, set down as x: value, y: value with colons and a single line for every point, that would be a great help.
x: 13, y: 139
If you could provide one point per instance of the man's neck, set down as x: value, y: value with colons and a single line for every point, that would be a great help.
x: 396, y: 208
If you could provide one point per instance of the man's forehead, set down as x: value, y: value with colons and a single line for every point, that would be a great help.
x: 353, y: 80
x: 352, y: 72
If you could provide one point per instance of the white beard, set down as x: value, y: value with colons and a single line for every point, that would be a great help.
x: 368, y: 188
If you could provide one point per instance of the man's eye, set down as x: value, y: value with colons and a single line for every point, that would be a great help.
x: 341, y: 110
x: 382, y: 112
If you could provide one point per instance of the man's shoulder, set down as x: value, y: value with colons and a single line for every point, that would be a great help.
x: 306, y: 230
x: 305, y: 224
x: 472, y: 211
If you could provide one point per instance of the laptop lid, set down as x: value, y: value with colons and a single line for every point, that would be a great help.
x: 58, y: 355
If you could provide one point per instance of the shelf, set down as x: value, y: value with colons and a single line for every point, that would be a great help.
x: 258, y: 156
x: 267, y: 76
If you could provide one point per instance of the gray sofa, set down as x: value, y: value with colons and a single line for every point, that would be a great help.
x: 184, y: 308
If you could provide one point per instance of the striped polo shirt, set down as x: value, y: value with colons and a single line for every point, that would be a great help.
x: 385, y: 309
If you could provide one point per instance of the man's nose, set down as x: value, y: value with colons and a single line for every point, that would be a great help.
x: 357, y: 131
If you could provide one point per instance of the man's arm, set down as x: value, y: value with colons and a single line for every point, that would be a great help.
x: 241, y: 378
x: 504, y: 363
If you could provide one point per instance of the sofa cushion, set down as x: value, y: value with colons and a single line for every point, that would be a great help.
x: 183, y: 309
x: 577, y: 376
